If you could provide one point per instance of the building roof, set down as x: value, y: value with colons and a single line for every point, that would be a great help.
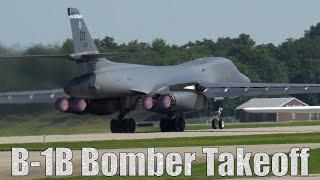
x: 267, y: 102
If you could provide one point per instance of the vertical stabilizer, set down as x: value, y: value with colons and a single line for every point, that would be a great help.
x: 83, y: 42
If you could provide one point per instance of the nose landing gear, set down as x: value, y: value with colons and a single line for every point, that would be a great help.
x: 217, y: 121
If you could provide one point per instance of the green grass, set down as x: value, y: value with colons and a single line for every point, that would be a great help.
x: 199, y: 170
x: 314, y: 159
x: 177, y: 142
x: 53, y: 122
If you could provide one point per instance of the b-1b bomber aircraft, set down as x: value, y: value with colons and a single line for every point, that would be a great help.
x: 106, y: 87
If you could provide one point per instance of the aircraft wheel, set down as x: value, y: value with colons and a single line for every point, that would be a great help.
x: 214, y: 123
x: 132, y: 125
x: 128, y: 125
x: 182, y: 125
x: 114, y: 126
x: 179, y: 124
x: 125, y: 125
x: 221, y: 123
x: 164, y: 125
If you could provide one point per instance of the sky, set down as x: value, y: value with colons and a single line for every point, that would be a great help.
x: 177, y: 21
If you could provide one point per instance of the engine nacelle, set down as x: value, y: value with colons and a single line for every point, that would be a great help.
x: 71, y: 105
x: 62, y: 105
x: 77, y: 105
x: 183, y: 101
x: 148, y: 102
x: 177, y: 100
x: 81, y: 106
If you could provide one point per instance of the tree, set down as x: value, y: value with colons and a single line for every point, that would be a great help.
x: 313, y: 31
x: 67, y: 46
x: 108, y: 43
x: 159, y: 45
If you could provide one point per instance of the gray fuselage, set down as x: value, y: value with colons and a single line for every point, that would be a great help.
x: 111, y: 79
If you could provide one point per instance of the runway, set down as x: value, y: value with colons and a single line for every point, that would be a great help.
x: 152, y: 135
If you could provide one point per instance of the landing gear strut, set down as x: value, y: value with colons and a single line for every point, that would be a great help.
x: 172, y: 124
x: 217, y: 121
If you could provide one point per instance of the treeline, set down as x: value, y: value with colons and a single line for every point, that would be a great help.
x: 293, y: 61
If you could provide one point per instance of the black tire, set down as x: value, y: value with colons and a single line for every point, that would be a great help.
x: 121, y: 126
x: 125, y: 125
x: 171, y: 125
x: 183, y: 125
x: 221, y: 124
x: 164, y: 125
x: 114, y: 126
x: 214, y: 123
x: 131, y: 125
x: 176, y: 124
x: 179, y: 124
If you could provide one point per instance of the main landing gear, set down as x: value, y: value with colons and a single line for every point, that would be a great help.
x: 121, y: 125
x: 217, y: 121
x: 172, y: 124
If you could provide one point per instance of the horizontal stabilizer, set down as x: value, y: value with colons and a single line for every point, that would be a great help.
x: 216, y: 90
x: 78, y: 57
x: 28, y: 97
